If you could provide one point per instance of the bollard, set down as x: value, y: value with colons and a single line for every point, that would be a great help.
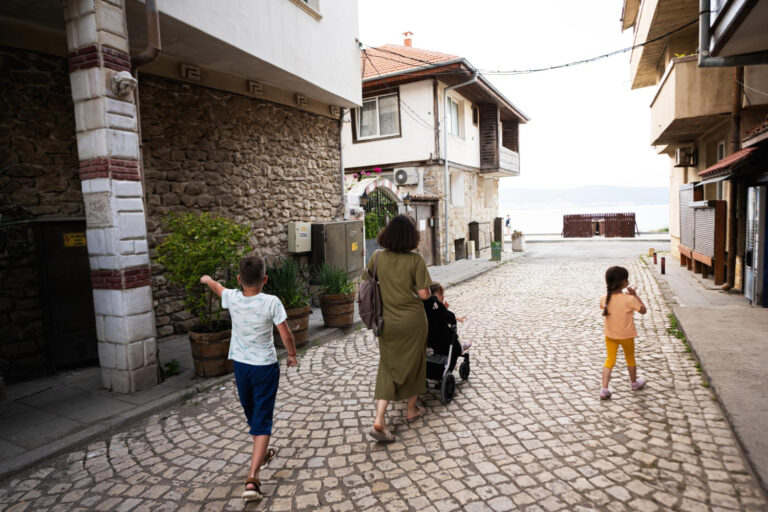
x: 654, y: 259
x: 663, y: 265
x: 651, y: 251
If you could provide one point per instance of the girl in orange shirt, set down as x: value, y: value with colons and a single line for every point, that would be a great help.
x: 618, y: 311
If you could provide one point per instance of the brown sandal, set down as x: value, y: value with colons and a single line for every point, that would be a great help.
x: 419, y: 414
x: 383, y: 436
x: 271, y: 454
x: 252, y: 494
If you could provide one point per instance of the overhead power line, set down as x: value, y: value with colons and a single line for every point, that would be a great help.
x: 548, y: 68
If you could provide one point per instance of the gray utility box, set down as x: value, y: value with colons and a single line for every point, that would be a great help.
x: 339, y: 244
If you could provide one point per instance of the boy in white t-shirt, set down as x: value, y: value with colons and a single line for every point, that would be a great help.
x: 257, y: 371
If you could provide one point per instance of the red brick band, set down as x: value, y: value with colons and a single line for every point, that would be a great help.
x: 110, y: 168
x: 95, y: 55
x: 120, y: 279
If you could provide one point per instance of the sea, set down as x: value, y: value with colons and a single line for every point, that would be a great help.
x: 544, y: 219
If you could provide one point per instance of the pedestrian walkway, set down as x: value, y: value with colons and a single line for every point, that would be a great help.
x: 45, y: 416
x: 526, y: 431
x: 730, y: 339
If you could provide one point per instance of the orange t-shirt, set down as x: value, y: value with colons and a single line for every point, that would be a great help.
x: 620, y: 322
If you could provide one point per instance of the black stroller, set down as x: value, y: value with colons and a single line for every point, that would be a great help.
x: 443, y: 349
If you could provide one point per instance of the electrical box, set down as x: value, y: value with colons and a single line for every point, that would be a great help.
x: 339, y: 244
x: 299, y: 236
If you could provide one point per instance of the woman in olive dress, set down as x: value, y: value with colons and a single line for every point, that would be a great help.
x: 404, y: 282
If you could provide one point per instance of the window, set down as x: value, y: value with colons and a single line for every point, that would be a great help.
x: 311, y: 7
x: 379, y: 117
x: 457, y: 189
x: 475, y: 116
x: 720, y: 150
x: 454, y: 117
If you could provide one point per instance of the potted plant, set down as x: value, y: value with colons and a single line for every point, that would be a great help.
x: 337, y: 295
x: 518, y: 241
x: 287, y: 281
x: 199, y: 244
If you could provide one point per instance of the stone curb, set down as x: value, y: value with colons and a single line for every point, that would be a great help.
x: 32, y: 457
x: 666, y: 291
x: 595, y: 240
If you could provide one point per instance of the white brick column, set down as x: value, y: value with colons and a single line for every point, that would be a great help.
x: 110, y: 170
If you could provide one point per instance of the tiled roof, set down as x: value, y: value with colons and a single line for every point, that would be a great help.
x: 393, y: 58
x: 758, y: 129
x: 726, y: 162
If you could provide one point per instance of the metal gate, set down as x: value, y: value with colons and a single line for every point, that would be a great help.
x: 423, y: 214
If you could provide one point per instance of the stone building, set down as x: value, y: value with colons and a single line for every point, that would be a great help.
x: 450, y: 165
x: 113, y: 114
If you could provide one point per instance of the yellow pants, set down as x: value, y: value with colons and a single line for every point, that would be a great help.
x: 612, y: 347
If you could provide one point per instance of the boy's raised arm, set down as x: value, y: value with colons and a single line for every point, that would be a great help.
x: 215, y: 286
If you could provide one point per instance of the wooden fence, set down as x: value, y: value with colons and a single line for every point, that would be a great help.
x: 609, y: 225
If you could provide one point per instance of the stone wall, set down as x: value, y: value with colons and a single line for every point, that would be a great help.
x: 255, y: 161
x: 38, y: 179
x: 459, y: 217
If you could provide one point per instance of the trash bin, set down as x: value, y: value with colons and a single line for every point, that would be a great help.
x: 496, y: 251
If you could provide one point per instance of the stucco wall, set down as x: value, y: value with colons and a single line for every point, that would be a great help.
x: 257, y: 162
x: 39, y: 178
x: 417, y: 138
x: 321, y: 52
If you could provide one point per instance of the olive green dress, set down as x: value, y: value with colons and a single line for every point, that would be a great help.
x: 403, y: 340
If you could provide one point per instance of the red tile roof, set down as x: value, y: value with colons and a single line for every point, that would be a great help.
x: 758, y: 129
x: 723, y: 165
x: 393, y: 58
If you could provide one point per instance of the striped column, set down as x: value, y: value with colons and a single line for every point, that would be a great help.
x: 110, y: 173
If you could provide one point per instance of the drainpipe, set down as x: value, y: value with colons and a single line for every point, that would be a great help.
x: 738, y: 79
x: 705, y: 34
x: 344, y: 208
x: 152, y: 50
x: 445, y: 157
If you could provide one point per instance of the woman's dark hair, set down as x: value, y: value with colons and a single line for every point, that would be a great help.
x: 614, y: 278
x: 400, y: 235
x: 436, y: 288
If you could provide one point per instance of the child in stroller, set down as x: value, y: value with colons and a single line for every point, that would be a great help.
x: 443, y: 343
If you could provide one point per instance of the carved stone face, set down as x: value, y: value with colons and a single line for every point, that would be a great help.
x: 123, y: 83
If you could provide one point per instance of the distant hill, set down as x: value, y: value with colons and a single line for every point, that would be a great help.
x: 582, y: 196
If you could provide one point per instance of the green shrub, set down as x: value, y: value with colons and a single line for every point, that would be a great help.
x: 332, y: 280
x: 198, y: 244
x: 374, y: 223
x: 288, y: 282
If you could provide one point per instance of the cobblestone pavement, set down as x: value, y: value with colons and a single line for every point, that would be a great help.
x: 526, y: 431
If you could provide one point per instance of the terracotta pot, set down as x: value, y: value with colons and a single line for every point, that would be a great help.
x: 210, y: 352
x: 298, y: 322
x: 338, y: 309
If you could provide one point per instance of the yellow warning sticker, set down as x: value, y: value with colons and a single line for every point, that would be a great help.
x: 354, y: 246
x: 74, y: 239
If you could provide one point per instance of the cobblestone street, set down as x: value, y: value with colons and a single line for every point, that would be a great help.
x: 526, y: 431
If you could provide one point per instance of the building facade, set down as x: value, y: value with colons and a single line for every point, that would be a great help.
x: 110, y: 121
x: 420, y: 110
x: 699, y: 114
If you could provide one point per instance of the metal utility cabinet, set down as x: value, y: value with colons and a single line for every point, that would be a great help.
x: 339, y: 244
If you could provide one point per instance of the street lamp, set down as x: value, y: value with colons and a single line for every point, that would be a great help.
x: 364, y: 199
x: 407, y: 199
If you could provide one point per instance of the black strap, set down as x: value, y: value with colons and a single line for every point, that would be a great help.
x: 376, y: 265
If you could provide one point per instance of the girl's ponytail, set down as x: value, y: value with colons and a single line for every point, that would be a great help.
x: 614, y: 278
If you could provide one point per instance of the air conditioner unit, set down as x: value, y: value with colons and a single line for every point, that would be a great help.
x: 406, y: 176
x: 685, y: 157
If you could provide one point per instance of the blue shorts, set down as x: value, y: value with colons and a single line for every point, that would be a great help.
x: 257, y: 389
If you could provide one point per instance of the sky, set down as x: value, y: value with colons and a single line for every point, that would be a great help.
x: 587, y: 126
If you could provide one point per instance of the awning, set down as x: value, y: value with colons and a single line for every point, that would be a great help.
x: 717, y: 179
x: 724, y: 166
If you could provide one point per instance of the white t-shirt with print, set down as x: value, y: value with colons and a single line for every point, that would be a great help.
x: 252, y: 321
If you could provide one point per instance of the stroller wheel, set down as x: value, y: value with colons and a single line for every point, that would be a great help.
x: 464, y: 370
x: 448, y: 388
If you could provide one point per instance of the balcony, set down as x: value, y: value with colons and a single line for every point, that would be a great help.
x: 689, y: 101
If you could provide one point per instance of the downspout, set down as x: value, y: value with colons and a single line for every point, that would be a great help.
x: 152, y: 50
x: 705, y: 34
x: 733, y: 226
x: 344, y: 209
x: 445, y: 157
